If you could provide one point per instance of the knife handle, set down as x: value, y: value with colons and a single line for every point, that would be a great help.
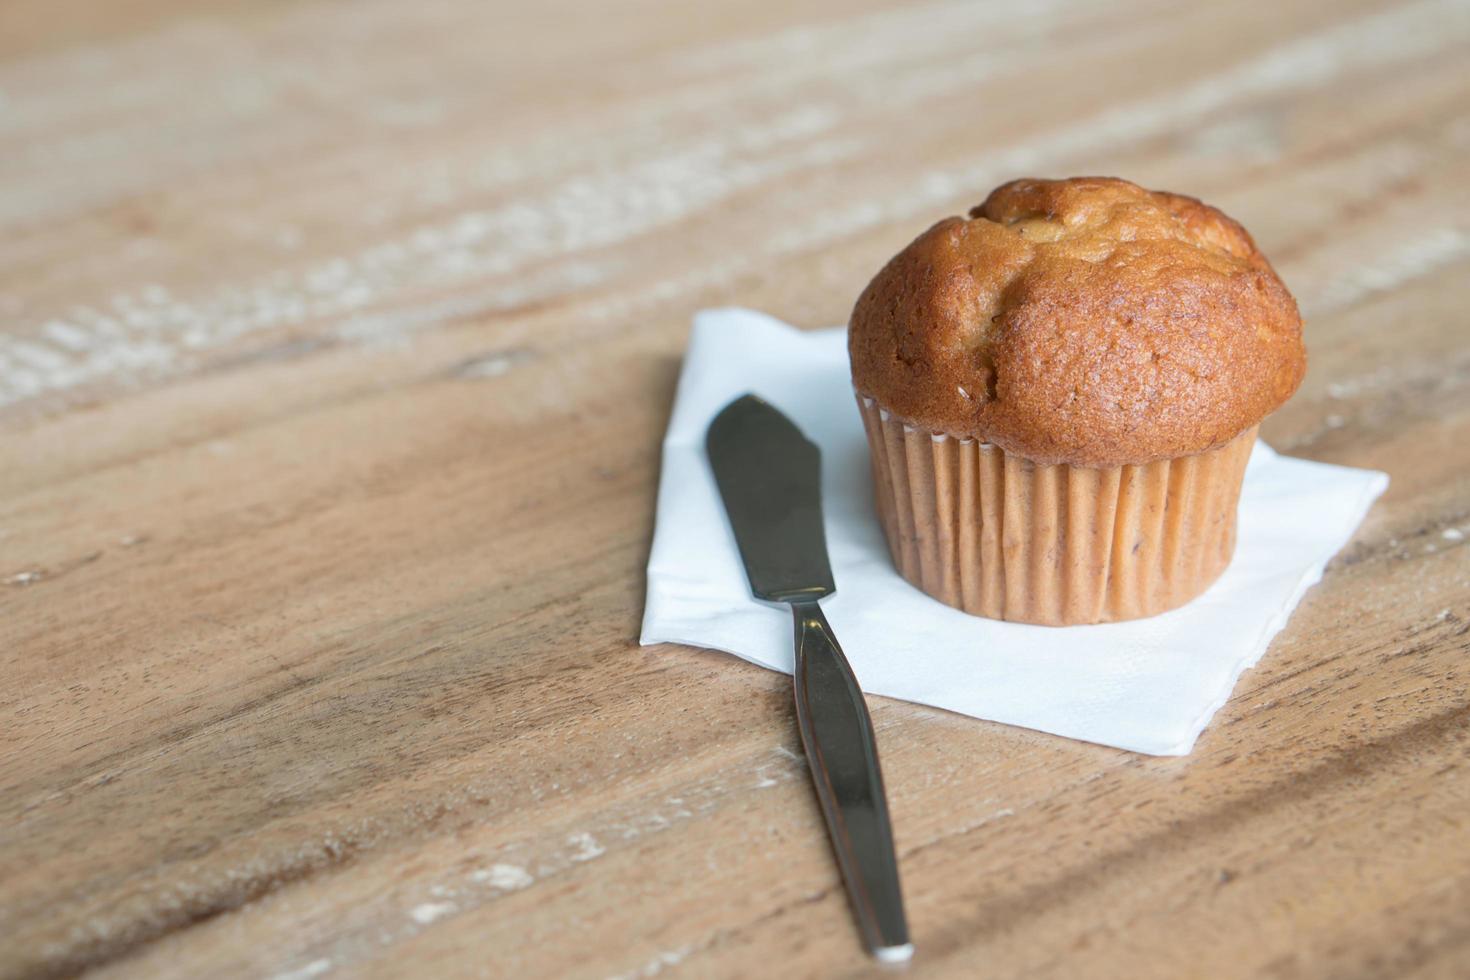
x: 838, y: 736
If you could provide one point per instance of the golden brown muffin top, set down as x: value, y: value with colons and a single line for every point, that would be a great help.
x: 1085, y: 321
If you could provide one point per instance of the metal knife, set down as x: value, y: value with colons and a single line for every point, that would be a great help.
x: 769, y: 476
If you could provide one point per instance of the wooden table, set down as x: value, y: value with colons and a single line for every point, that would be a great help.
x: 338, y: 340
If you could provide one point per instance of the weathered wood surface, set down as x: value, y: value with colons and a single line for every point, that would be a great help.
x: 338, y: 339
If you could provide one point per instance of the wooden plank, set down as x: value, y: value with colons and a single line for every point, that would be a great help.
x: 337, y: 344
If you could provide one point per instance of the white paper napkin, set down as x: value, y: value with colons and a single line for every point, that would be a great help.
x: 1149, y: 685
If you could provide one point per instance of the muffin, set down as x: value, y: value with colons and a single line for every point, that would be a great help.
x: 1060, y: 394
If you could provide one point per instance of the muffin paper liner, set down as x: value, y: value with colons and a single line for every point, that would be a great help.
x: 1000, y: 536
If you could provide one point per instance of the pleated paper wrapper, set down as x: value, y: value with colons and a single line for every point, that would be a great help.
x: 1000, y: 536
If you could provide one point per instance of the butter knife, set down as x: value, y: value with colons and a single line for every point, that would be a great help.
x: 769, y: 476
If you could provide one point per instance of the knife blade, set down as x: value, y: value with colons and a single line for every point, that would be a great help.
x: 769, y: 475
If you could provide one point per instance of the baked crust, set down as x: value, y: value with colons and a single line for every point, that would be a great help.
x: 1085, y: 321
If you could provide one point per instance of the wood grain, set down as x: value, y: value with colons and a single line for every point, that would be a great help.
x: 338, y: 339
